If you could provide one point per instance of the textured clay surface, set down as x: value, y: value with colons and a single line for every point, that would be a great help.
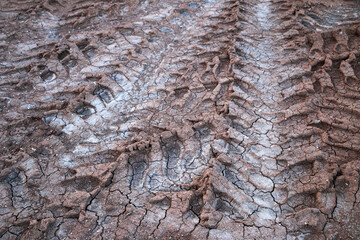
x: 172, y: 119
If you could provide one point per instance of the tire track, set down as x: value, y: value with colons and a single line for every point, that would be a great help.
x: 196, y: 119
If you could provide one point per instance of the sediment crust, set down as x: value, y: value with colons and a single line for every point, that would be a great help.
x: 207, y: 119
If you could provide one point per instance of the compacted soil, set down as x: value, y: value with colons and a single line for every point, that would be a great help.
x: 173, y: 119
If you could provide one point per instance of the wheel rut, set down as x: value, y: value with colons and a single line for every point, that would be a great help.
x: 204, y: 119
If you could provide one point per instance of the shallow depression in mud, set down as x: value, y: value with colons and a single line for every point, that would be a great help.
x: 206, y: 119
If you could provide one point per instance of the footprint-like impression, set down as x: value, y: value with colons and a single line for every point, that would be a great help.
x: 171, y: 154
x: 104, y: 94
x: 83, y: 183
x: 85, y: 111
x: 48, y: 75
x: 138, y: 164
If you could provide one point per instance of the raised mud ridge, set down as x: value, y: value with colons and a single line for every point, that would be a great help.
x: 207, y: 119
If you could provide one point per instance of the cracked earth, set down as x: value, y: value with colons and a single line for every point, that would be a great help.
x: 201, y: 119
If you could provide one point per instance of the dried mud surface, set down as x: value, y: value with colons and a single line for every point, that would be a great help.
x: 202, y: 119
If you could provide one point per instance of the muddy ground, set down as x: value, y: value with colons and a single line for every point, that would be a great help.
x: 169, y: 119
